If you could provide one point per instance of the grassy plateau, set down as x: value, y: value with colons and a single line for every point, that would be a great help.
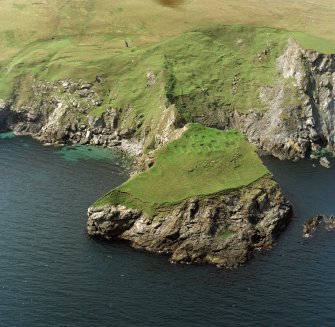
x: 203, y: 161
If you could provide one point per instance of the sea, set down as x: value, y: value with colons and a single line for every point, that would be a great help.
x: 53, y: 274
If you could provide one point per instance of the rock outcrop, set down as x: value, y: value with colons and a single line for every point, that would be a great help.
x: 62, y: 112
x: 330, y: 223
x: 311, y: 224
x: 222, y: 229
x: 300, y: 114
x: 325, y: 162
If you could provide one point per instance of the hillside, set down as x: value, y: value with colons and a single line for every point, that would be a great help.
x: 201, y: 76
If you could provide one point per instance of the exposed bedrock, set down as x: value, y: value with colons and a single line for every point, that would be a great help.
x: 300, y: 114
x: 61, y: 113
x: 222, y: 229
x: 312, y: 224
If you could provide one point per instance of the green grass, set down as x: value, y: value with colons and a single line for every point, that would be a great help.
x: 204, y: 72
x: 313, y: 42
x: 203, y: 161
x: 147, y: 22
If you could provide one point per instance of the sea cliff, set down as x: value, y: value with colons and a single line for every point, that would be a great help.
x: 224, y: 229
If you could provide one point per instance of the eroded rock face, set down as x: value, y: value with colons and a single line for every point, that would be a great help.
x: 300, y: 116
x: 60, y: 113
x: 223, y: 229
x: 111, y: 221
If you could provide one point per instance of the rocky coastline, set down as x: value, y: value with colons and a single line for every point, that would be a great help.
x: 298, y: 122
x: 223, y: 229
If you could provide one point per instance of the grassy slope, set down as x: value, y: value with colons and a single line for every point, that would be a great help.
x: 202, y: 72
x: 83, y: 38
x: 147, y: 21
x: 203, y: 161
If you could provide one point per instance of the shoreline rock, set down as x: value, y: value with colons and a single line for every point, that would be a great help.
x: 223, y: 229
x: 330, y: 223
x: 312, y: 224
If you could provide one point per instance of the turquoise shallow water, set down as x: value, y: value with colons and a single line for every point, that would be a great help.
x: 52, y: 274
x: 8, y: 135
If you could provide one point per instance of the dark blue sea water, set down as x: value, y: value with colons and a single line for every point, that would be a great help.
x: 52, y: 274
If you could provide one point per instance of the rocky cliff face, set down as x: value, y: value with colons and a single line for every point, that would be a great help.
x: 300, y: 117
x: 222, y: 229
x: 62, y: 112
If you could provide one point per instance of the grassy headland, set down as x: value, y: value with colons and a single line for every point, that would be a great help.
x: 203, y: 161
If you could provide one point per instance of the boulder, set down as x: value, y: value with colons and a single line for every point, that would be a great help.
x: 325, y: 162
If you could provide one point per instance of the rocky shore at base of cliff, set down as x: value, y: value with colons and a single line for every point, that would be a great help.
x: 223, y: 229
x: 61, y: 113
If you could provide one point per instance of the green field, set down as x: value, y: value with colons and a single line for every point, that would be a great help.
x: 203, y: 161
x: 148, y: 21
